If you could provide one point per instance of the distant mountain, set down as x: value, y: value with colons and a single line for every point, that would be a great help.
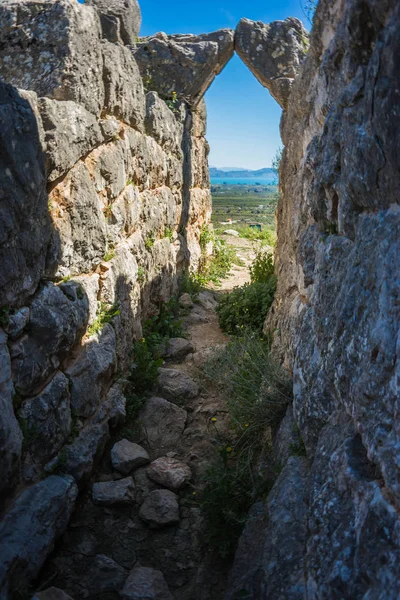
x: 241, y: 174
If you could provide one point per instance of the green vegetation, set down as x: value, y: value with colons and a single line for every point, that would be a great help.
x: 262, y: 268
x: 168, y: 233
x: 236, y: 208
x: 146, y: 360
x: 29, y: 434
x: 257, y: 392
x: 276, y: 161
x: 109, y: 255
x: 173, y: 102
x: 105, y: 314
x: 246, y: 307
x: 4, y: 316
x: 149, y: 241
x: 141, y: 275
x: 215, y: 267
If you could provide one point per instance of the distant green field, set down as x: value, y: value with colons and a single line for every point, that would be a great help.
x: 245, y: 209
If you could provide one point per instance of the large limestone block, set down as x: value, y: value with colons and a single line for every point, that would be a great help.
x: 10, y: 434
x: 53, y: 48
x: 162, y: 124
x: 185, y: 64
x: 273, y: 52
x: 120, y: 20
x: 78, y: 459
x: 24, y: 222
x: 30, y: 528
x: 47, y: 419
x: 124, y: 92
x: 90, y: 373
x: 353, y: 542
x: 80, y: 238
x: 119, y: 287
x: 58, y: 318
x: 70, y: 132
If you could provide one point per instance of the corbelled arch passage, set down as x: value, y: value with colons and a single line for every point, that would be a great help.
x: 186, y: 65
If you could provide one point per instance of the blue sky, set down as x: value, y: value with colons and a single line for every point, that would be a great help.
x: 243, y: 119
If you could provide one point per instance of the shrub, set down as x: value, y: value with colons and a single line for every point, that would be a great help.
x: 144, y: 367
x: 265, y: 235
x: 221, y: 261
x: 257, y: 392
x: 163, y: 326
x: 262, y: 268
x: 256, y: 388
x: 225, y: 502
x: 246, y: 307
x: 190, y: 283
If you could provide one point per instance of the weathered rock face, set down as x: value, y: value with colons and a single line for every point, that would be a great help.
x: 28, y: 531
x: 273, y: 53
x: 336, y: 315
x: 103, y: 193
x: 120, y: 21
x: 184, y: 64
x: 24, y: 220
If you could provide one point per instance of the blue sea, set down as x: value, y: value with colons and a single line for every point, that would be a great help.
x: 272, y: 180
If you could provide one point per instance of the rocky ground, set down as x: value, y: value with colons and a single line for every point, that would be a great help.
x: 138, y: 528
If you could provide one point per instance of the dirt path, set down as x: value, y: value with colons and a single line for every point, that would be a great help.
x: 239, y: 275
x: 105, y: 541
x: 110, y: 538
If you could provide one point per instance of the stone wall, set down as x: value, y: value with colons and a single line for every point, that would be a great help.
x: 332, y: 518
x: 104, y: 189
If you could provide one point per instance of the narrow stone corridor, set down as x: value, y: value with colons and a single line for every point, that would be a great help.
x: 141, y: 508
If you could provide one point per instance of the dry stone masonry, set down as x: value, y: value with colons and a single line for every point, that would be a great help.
x: 104, y: 189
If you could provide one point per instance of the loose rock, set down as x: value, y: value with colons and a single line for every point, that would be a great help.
x: 126, y: 456
x: 178, y: 348
x: 185, y: 301
x: 108, y: 493
x: 162, y: 424
x: 176, y: 385
x: 169, y: 472
x: 146, y: 584
x: 160, y: 509
x: 105, y: 575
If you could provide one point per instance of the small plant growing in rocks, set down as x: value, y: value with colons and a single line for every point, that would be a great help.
x: 149, y: 241
x: 105, y: 314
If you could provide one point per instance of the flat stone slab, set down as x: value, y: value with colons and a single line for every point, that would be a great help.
x: 178, y: 348
x: 127, y: 456
x: 162, y: 423
x: 160, y: 509
x: 176, y: 385
x: 146, y: 584
x: 207, y: 300
x: 169, y: 472
x: 108, y: 493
